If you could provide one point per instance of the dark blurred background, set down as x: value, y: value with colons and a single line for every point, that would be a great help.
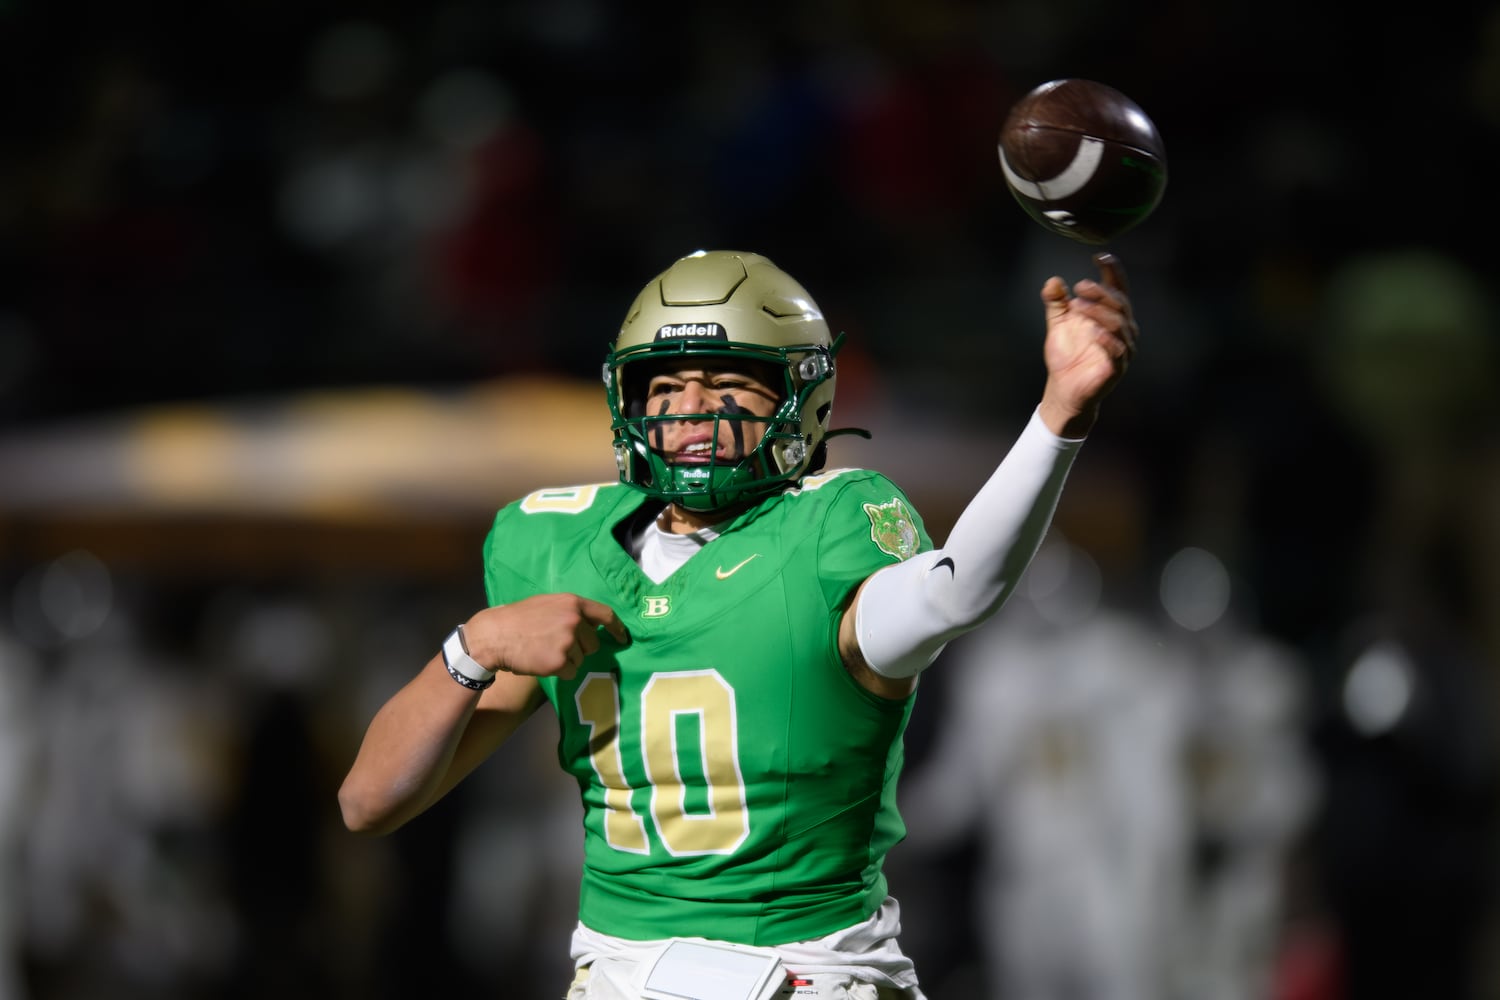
x: 294, y: 296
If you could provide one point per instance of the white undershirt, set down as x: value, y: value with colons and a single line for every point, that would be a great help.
x: 660, y: 553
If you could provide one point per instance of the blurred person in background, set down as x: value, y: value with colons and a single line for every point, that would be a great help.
x: 18, y: 738
x: 731, y: 640
x: 1134, y: 786
x: 1409, y: 716
x: 125, y: 892
x: 1061, y: 757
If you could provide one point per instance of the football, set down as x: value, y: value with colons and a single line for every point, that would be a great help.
x: 1083, y: 160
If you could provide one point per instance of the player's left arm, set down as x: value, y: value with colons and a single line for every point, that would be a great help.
x: 434, y: 731
x: 904, y: 614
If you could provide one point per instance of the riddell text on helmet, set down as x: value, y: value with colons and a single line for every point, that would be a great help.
x: 692, y: 331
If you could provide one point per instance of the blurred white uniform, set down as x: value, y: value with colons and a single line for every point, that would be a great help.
x: 18, y: 734
x: 1070, y: 743
x: 1253, y: 787
x: 128, y: 748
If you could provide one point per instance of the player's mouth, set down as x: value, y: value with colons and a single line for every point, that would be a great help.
x: 701, y: 453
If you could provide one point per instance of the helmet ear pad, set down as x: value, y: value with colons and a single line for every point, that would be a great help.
x: 820, y: 452
x: 819, y: 458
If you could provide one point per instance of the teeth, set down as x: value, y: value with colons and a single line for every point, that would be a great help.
x: 702, y: 447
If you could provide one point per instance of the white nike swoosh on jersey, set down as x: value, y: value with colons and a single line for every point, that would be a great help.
x: 724, y: 574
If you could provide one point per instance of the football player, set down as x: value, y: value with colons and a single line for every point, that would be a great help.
x: 730, y: 637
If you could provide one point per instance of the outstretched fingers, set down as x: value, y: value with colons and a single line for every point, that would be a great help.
x: 1108, y: 305
x: 1112, y: 271
x: 1055, y: 296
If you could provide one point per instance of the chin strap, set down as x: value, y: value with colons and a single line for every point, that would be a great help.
x: 820, y: 454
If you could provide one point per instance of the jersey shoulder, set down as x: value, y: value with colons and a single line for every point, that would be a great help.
x: 832, y: 485
x: 861, y: 507
x: 552, y: 527
x: 564, y: 509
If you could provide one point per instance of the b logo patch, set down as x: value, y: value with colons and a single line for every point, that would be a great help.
x: 892, y: 528
x: 656, y: 607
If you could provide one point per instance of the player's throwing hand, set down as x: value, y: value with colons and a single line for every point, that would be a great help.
x: 1091, y: 337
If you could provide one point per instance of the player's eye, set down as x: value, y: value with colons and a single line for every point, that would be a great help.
x: 733, y: 382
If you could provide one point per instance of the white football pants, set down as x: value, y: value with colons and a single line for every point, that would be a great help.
x: 615, y: 979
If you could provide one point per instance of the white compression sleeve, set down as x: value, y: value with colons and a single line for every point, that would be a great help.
x: 908, y: 612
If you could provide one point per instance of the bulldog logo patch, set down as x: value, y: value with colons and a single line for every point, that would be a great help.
x: 892, y: 528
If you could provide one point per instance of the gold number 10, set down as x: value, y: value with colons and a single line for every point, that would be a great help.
x: 719, y: 823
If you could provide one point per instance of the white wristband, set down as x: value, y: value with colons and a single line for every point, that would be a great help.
x: 461, y: 666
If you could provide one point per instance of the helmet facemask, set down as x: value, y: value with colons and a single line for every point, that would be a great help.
x: 752, y: 468
x: 729, y: 312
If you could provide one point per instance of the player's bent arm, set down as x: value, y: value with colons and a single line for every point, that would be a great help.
x: 904, y: 614
x: 424, y: 740
x: 435, y: 730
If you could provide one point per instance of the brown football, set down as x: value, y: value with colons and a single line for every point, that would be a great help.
x: 1083, y: 159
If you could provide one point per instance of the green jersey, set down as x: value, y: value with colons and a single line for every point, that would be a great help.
x: 737, y: 783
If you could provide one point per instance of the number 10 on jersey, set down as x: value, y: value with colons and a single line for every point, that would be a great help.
x: 686, y: 738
